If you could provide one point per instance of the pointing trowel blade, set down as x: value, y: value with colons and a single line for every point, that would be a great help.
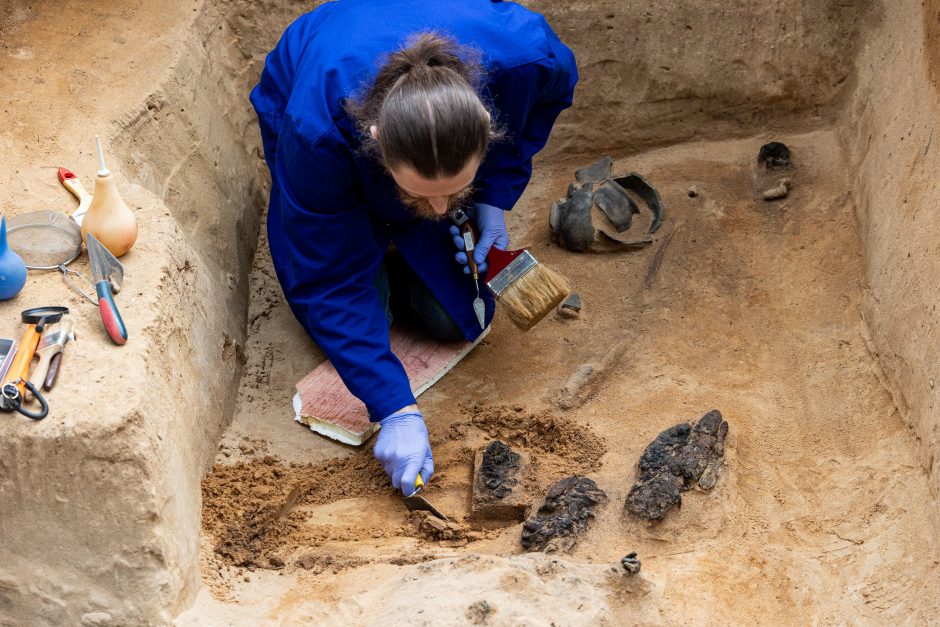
x: 480, y: 311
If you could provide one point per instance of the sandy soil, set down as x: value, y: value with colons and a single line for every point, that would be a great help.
x: 818, y: 516
x: 823, y: 512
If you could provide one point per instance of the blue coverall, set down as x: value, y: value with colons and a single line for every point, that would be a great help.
x: 334, y: 210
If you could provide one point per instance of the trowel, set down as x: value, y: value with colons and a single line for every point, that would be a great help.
x: 415, y: 502
x: 108, y: 275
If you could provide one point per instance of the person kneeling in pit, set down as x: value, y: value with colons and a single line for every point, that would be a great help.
x: 378, y: 117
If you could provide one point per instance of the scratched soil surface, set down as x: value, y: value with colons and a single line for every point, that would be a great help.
x: 819, y: 511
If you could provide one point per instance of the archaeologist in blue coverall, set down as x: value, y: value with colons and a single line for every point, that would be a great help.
x: 377, y: 117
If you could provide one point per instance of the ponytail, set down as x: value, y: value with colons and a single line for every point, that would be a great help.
x: 425, y: 104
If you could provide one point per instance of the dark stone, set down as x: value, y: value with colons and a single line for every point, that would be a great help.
x: 499, y: 464
x: 680, y: 458
x: 631, y: 563
x: 573, y: 302
x: 616, y: 205
x: 774, y: 155
x: 564, y: 515
x: 595, y: 172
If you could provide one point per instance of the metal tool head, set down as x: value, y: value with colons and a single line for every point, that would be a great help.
x: 480, y: 310
x: 104, y: 265
x: 416, y: 503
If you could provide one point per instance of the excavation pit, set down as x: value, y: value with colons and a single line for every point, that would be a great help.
x: 810, y: 321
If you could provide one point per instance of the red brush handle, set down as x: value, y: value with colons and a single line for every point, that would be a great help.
x: 499, y: 259
x: 65, y: 173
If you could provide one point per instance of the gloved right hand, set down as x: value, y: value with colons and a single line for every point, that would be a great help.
x: 491, y: 225
x: 403, y: 449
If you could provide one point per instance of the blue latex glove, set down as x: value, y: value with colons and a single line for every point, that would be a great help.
x: 403, y: 450
x: 491, y: 223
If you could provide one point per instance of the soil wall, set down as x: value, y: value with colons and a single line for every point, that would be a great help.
x: 100, y: 505
x: 658, y: 73
x: 891, y: 127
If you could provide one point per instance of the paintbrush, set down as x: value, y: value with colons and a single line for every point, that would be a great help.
x: 54, y: 337
x: 525, y: 288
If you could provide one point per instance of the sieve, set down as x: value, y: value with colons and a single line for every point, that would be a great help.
x: 48, y: 240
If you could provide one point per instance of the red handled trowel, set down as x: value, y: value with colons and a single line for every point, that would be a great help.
x: 108, y: 274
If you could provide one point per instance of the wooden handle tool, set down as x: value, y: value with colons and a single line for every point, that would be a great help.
x: 469, y: 239
x: 74, y: 185
x: 54, y: 337
x: 56, y: 362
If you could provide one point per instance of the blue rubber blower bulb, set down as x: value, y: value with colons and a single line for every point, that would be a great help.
x: 12, y: 268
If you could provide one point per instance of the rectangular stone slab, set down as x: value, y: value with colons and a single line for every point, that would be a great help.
x: 323, y: 403
x: 486, y: 509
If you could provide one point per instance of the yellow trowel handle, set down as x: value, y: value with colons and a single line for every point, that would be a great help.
x: 419, y: 483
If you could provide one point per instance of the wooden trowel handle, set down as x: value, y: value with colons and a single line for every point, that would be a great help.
x: 38, y: 376
x: 54, y: 364
x: 470, y: 239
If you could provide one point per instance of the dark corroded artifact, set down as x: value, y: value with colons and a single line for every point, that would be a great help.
x: 774, y: 156
x: 568, y: 507
x: 680, y: 458
x: 631, y: 563
x: 596, y: 172
x: 571, y: 219
x: 497, y: 499
x: 498, y: 467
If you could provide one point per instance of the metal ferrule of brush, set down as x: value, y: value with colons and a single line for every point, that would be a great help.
x: 511, y: 273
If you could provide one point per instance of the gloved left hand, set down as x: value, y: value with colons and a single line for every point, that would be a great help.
x: 491, y: 224
x: 403, y: 449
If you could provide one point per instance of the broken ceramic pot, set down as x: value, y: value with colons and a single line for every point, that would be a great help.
x: 774, y: 156
x: 597, y: 213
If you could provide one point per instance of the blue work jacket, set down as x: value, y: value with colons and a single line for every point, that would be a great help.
x: 333, y: 210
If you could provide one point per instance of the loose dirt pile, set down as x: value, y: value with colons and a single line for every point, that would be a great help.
x: 248, y: 505
x: 257, y: 511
